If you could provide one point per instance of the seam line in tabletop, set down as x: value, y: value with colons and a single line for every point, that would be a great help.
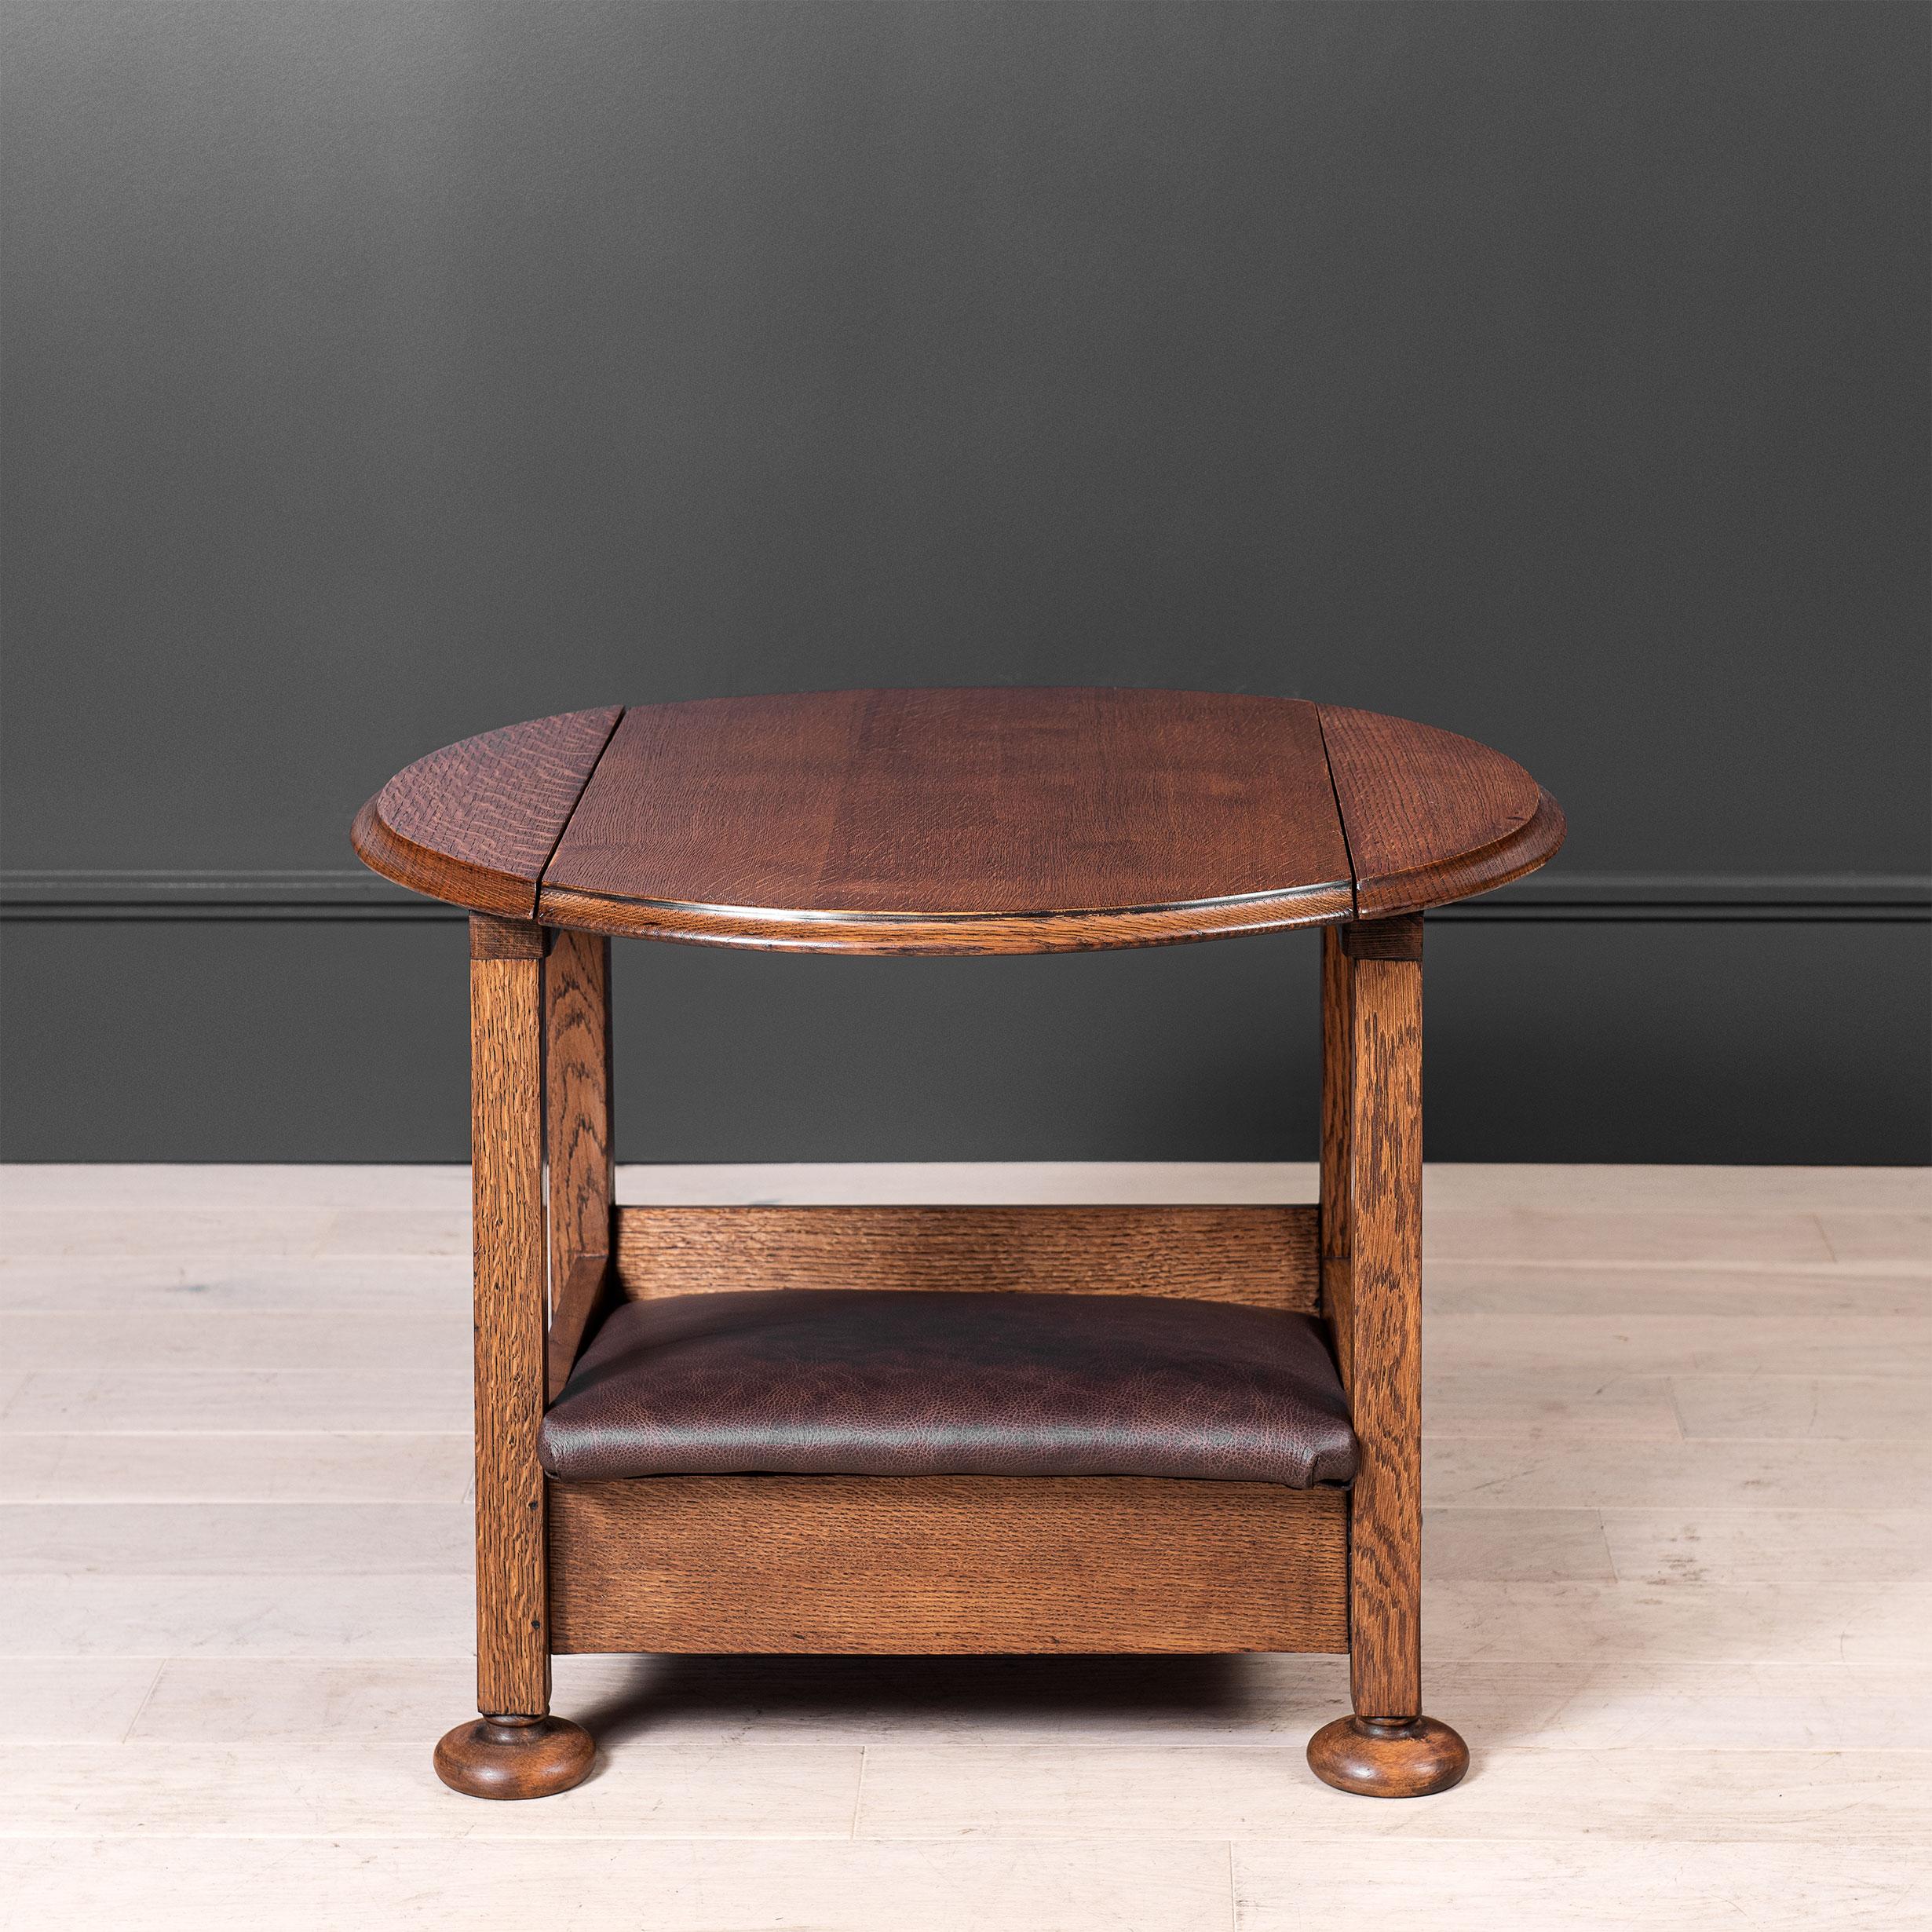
x: 1341, y: 817
x: 550, y: 858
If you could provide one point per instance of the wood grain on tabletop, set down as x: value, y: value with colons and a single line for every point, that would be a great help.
x: 1431, y: 817
x: 1014, y: 818
x: 475, y: 823
x: 1007, y: 819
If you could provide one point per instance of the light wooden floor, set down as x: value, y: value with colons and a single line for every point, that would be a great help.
x: 1679, y: 1483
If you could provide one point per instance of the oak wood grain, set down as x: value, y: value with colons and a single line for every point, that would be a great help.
x: 1399, y: 937
x: 515, y: 1757
x: 1002, y: 820
x: 576, y: 1302
x: 1385, y: 1347
x: 946, y: 1564
x: 1337, y: 1104
x: 579, y: 1139
x: 476, y: 823
x: 973, y: 820
x: 1263, y: 1256
x: 506, y: 939
x: 1373, y: 1757
x: 507, y: 1160
x: 1431, y: 817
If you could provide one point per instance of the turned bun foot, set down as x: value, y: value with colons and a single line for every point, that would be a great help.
x: 515, y: 1757
x: 1384, y: 1758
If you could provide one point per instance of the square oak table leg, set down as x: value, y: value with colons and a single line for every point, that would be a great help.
x: 1371, y: 1184
x: 516, y: 1748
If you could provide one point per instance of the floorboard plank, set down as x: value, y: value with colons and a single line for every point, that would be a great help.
x: 1769, y: 1546
x: 363, y: 1287
x: 1769, y: 1238
x: 1648, y: 1703
x: 1581, y: 1886
x: 379, y: 1790
x: 1861, y: 1619
x: 120, y: 1399
x: 67, y: 1700
x: 1518, y: 1347
x: 474, y: 1883
x: 1880, y: 1241
x: 206, y: 1466
x: 261, y: 1615
x: 1525, y: 1473
x: 1579, y: 1287
x: 1571, y: 1405
x: 157, y: 1341
x: 235, y: 1538
x: 1831, y: 1409
x: 1218, y: 1792
x: 1524, y: 1546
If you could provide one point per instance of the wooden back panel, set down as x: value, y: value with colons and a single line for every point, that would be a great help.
x: 1264, y: 1257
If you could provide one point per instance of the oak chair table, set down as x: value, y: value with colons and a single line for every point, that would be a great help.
x: 947, y: 1429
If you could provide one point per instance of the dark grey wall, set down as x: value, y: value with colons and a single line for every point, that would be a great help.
x: 1618, y: 1041
x: 375, y: 374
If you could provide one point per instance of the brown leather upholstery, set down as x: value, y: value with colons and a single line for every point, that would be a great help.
x: 906, y: 1383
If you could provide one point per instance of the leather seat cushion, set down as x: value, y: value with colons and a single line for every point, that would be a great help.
x: 911, y: 1382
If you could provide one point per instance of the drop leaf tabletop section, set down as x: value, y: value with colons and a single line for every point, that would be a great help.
x: 1431, y: 817
x: 477, y: 822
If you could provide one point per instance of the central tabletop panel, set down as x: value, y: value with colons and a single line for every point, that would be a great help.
x: 967, y: 820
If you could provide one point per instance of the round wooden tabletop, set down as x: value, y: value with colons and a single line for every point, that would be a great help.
x: 1007, y: 819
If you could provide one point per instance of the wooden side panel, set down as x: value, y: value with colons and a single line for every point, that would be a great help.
x: 946, y: 1564
x: 577, y: 1303
x: 1263, y: 1256
x: 1337, y: 1064
x: 1431, y: 817
x: 579, y: 1138
x: 477, y: 822
x: 1385, y: 1175
x: 506, y: 1157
